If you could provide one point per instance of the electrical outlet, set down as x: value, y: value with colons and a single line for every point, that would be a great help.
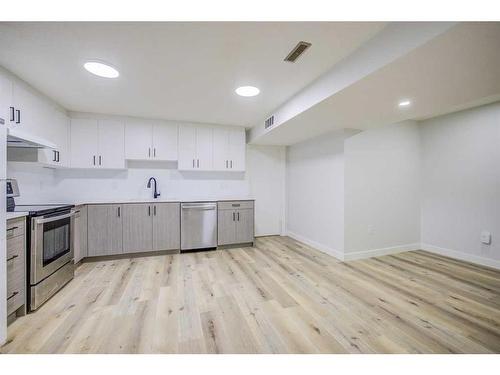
x: 486, y: 237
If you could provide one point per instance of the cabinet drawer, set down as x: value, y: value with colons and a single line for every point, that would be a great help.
x: 15, y: 283
x: 16, y: 247
x: 234, y: 205
x: 15, y: 300
x: 15, y: 227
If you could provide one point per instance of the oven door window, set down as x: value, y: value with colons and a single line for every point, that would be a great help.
x: 56, y: 239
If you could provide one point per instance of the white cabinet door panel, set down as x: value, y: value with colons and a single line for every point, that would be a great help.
x: 237, y: 149
x: 6, y: 112
x: 165, y: 142
x: 138, y: 138
x: 204, y: 142
x: 220, y: 149
x: 137, y: 228
x: 187, y: 147
x: 111, y: 144
x: 84, y: 143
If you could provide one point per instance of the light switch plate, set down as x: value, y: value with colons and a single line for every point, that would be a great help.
x: 486, y: 237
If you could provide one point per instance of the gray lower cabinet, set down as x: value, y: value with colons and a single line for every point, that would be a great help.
x: 166, y: 226
x: 80, y: 245
x: 235, y: 223
x: 105, y: 229
x: 16, y: 267
x: 151, y: 227
x: 137, y: 227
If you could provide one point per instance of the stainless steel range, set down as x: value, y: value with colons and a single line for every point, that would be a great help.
x: 50, y: 231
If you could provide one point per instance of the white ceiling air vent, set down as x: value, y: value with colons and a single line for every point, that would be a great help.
x: 297, y: 51
x: 269, y: 122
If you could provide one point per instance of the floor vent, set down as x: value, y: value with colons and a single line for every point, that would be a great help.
x: 269, y: 122
x: 297, y: 51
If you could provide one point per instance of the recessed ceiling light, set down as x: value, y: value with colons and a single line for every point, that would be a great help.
x: 101, y: 69
x: 404, y: 103
x: 247, y: 91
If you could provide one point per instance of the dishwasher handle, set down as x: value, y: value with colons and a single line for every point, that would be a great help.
x: 199, y: 206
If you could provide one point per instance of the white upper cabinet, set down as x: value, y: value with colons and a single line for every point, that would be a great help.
x: 84, y: 143
x: 146, y: 141
x: 111, y: 144
x: 195, y: 147
x: 57, y: 133
x: 97, y: 144
x: 229, y: 149
x: 165, y: 141
x: 138, y: 138
x: 6, y: 108
x: 31, y: 114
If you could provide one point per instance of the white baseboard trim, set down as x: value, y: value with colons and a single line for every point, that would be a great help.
x: 461, y: 256
x: 323, y: 248
x: 379, y: 252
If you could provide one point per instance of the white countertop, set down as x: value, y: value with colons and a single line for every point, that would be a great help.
x: 168, y: 200
x: 15, y: 215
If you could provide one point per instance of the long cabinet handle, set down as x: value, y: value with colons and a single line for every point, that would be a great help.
x: 149, y: 152
x: 12, y: 228
x: 197, y: 163
x: 58, y: 157
x: 154, y: 152
x: 100, y: 158
x: 193, y: 163
x: 94, y: 159
x: 18, y: 111
x: 12, y: 258
x: 12, y: 114
x: 234, y: 215
x: 149, y: 210
x: 154, y: 210
x: 13, y: 295
x: 226, y: 164
x: 238, y: 216
x: 119, y: 213
x: 231, y: 164
x: 54, y: 156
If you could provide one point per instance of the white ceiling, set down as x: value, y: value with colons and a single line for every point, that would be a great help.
x: 176, y: 71
x: 456, y: 70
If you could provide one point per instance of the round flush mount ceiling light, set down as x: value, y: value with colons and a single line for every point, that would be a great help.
x: 404, y: 103
x: 101, y: 69
x: 247, y: 91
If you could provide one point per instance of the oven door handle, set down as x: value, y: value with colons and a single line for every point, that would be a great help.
x: 54, y: 218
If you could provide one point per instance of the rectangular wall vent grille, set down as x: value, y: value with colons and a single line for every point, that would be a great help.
x: 297, y: 51
x: 269, y: 122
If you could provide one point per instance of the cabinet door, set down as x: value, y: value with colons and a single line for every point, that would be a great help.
x: 80, y: 237
x: 204, y: 140
x: 166, y: 226
x: 105, y: 229
x: 226, y: 227
x: 138, y: 139
x: 59, y: 135
x: 83, y: 143
x: 137, y: 228
x: 111, y: 144
x: 187, y: 147
x: 165, y: 142
x: 31, y: 114
x: 221, y: 149
x: 237, y: 150
x: 6, y: 101
x: 244, y: 226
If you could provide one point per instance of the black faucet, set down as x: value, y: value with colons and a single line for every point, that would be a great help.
x: 156, y: 194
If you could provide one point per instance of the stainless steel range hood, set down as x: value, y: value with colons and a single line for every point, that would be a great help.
x: 20, y: 139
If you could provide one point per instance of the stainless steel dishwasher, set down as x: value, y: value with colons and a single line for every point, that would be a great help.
x: 198, y: 225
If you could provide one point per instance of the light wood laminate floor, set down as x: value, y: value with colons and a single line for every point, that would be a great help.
x: 280, y: 296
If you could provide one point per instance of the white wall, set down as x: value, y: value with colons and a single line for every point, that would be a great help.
x: 43, y: 185
x: 266, y: 171
x: 315, y: 192
x: 382, y: 190
x: 461, y: 184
